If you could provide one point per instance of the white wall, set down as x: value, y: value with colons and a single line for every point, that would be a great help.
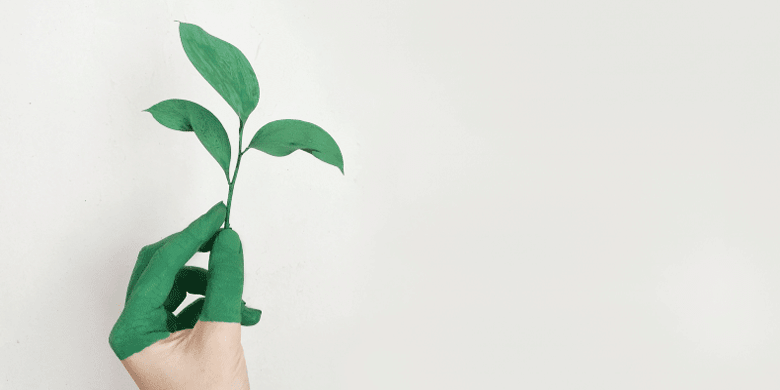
x: 538, y: 195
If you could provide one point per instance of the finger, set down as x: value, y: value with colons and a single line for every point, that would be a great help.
x: 249, y: 316
x: 210, y: 243
x: 189, y: 316
x: 170, y: 322
x: 189, y: 279
x: 146, y: 254
x: 141, y: 263
x: 192, y: 280
x: 226, y: 279
x: 157, y: 279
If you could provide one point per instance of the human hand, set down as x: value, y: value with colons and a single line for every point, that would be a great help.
x: 200, y: 348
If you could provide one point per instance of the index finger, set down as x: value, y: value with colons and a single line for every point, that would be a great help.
x: 157, y: 279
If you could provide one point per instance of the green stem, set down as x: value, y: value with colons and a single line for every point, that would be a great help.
x: 232, y: 183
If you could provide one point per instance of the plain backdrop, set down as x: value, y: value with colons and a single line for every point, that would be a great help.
x: 538, y: 194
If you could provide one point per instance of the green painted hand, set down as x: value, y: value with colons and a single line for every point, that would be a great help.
x: 201, y: 346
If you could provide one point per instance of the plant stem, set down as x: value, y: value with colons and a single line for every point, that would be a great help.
x: 232, y: 183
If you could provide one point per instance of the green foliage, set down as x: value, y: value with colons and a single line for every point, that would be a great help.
x: 232, y: 76
x: 224, y: 67
x: 282, y: 137
x: 185, y: 115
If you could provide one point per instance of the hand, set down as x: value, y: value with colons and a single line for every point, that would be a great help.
x: 201, y: 347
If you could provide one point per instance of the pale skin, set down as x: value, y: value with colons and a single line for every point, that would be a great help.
x: 207, y: 357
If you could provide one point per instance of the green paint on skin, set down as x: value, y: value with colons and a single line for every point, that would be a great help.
x: 160, y: 282
x: 225, y: 280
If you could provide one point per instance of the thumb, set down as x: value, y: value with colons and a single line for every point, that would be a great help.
x: 225, y: 284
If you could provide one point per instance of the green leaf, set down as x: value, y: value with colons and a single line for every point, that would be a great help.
x: 185, y: 115
x: 282, y: 137
x: 224, y: 67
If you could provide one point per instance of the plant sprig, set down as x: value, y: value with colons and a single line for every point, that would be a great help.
x: 230, y: 73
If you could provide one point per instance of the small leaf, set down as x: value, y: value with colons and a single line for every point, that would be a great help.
x: 185, y: 115
x: 224, y: 67
x: 282, y: 137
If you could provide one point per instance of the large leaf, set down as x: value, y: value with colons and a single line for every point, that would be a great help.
x: 224, y: 67
x: 282, y: 137
x: 185, y: 115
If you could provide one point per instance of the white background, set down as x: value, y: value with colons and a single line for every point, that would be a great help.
x: 538, y: 195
